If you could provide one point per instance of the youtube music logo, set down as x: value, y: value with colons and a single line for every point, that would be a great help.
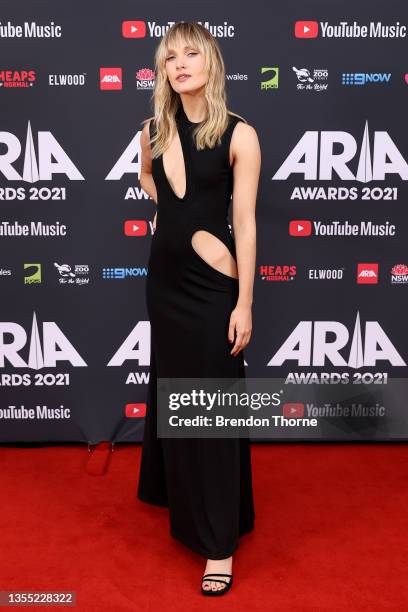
x: 133, y: 29
x: 300, y: 228
x: 306, y: 29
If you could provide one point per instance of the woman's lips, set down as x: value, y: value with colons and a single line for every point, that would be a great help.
x: 183, y: 77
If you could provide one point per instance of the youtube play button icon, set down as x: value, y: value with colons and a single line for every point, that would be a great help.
x: 133, y: 29
x: 300, y: 228
x: 306, y: 29
x: 135, y: 227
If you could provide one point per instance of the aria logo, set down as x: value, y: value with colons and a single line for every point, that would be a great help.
x: 367, y: 273
x: 314, y: 157
x: 54, y: 347
x: 35, y: 168
x: 308, y: 345
x: 110, y: 78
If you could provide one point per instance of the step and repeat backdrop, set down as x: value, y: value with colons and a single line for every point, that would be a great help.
x: 328, y: 98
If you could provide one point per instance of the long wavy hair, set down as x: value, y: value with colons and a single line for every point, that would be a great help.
x: 166, y: 101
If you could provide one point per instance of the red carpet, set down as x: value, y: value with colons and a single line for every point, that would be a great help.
x: 331, y: 531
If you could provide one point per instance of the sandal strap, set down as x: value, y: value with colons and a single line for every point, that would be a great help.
x: 215, y: 580
x: 205, y: 577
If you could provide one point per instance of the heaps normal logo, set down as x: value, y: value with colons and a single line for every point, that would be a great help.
x: 39, y: 167
x: 314, y: 157
x: 17, y: 79
x: 45, y: 348
x: 308, y: 344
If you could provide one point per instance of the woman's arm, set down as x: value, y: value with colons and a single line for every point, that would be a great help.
x: 146, y: 178
x: 246, y: 157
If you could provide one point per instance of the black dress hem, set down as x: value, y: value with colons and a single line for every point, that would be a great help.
x: 207, y: 554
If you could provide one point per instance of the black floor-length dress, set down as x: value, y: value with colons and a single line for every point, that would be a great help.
x: 205, y: 482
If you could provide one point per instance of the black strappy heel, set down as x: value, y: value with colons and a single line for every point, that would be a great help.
x: 220, y: 591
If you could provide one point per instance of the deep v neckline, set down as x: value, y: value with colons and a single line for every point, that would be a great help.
x: 181, y: 123
x: 183, y: 127
x: 184, y: 156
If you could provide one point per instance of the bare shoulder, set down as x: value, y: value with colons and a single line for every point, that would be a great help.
x: 244, y: 140
x: 145, y: 146
x: 145, y: 136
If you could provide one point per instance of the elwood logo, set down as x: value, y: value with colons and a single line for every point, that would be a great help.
x: 51, y: 158
x: 46, y: 348
x: 110, y: 78
x: 314, y: 157
x: 308, y: 344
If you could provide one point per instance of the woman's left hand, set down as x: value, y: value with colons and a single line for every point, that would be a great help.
x: 241, y: 322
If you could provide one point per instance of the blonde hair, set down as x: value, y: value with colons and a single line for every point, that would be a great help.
x: 166, y: 101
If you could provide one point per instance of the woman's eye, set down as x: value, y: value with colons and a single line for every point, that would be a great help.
x: 190, y: 53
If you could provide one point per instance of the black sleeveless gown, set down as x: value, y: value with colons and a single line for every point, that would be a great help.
x: 206, y: 483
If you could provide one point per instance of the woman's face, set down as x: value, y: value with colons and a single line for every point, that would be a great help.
x: 188, y: 61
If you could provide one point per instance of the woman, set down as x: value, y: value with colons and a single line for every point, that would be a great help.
x: 195, y: 154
